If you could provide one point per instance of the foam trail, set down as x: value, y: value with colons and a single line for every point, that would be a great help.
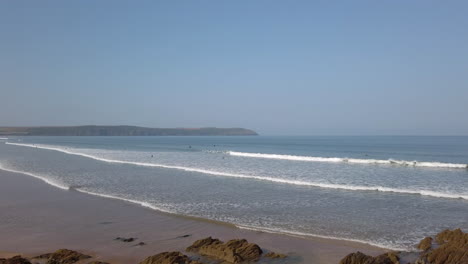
x: 42, y: 178
x: 2, y: 138
x: 153, y: 207
x: 144, y: 204
x: 262, y: 178
x: 349, y: 160
x: 301, y: 234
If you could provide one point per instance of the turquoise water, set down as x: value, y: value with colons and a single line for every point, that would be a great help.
x: 385, y: 191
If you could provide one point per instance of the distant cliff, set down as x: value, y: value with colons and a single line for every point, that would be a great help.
x: 123, y: 131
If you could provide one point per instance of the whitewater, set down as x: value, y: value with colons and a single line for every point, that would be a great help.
x: 72, y: 151
x: 351, y: 160
x: 383, y: 191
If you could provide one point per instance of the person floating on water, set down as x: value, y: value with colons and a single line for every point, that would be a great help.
x: 189, y: 146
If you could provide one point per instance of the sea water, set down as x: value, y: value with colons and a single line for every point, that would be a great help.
x: 384, y: 191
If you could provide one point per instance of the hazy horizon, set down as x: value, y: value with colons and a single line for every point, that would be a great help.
x: 301, y: 68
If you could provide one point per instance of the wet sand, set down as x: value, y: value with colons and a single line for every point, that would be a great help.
x: 37, y: 218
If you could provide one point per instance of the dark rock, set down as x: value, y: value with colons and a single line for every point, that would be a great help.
x: 123, y: 239
x: 425, y: 244
x: 453, y: 249
x: 361, y: 258
x: 141, y: 244
x: 15, y: 260
x: 356, y: 258
x: 105, y: 223
x: 169, y: 258
x: 43, y: 256
x: 203, y: 242
x: 452, y: 236
x: 65, y: 256
x: 274, y: 255
x: 387, y: 258
x: 233, y: 251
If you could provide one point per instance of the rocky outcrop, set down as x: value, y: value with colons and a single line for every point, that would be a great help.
x: 425, y: 244
x: 448, y: 247
x: 169, y: 258
x: 356, y: 258
x: 361, y: 258
x: 63, y: 256
x: 233, y: 251
x: 452, y: 249
x: 15, y: 260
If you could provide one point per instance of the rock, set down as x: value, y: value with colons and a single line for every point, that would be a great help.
x: 356, y: 258
x: 452, y: 236
x: 425, y: 244
x: 64, y: 256
x: 233, y: 251
x: 361, y: 258
x: 123, y: 239
x: 387, y: 258
x: 43, y: 256
x: 202, y: 242
x: 140, y: 244
x: 453, y: 249
x: 274, y: 255
x: 169, y: 258
x: 15, y: 260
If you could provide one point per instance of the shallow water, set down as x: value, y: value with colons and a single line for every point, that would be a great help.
x: 385, y: 191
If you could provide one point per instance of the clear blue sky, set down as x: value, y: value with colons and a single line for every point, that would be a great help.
x: 278, y: 67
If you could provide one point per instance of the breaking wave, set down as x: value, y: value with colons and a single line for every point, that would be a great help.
x: 158, y: 208
x: 350, y: 160
x: 260, y: 178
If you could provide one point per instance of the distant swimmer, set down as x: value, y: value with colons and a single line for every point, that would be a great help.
x: 151, y: 155
x: 189, y: 146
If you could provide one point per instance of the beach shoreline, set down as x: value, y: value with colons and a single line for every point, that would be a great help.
x: 38, y: 218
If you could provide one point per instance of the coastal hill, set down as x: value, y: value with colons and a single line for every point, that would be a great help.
x: 123, y: 131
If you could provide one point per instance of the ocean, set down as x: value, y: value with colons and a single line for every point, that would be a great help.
x: 380, y: 190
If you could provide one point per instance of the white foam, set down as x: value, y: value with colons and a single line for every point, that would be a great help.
x: 144, y: 204
x: 262, y: 178
x: 350, y: 160
x: 301, y: 234
x: 37, y: 176
x: 153, y: 207
x: 2, y: 138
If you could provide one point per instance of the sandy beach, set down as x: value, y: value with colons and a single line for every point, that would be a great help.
x: 37, y: 218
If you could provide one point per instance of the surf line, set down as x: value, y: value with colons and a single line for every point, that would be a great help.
x: 260, y: 178
x: 350, y: 160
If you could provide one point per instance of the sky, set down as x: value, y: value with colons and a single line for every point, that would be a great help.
x: 278, y: 67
